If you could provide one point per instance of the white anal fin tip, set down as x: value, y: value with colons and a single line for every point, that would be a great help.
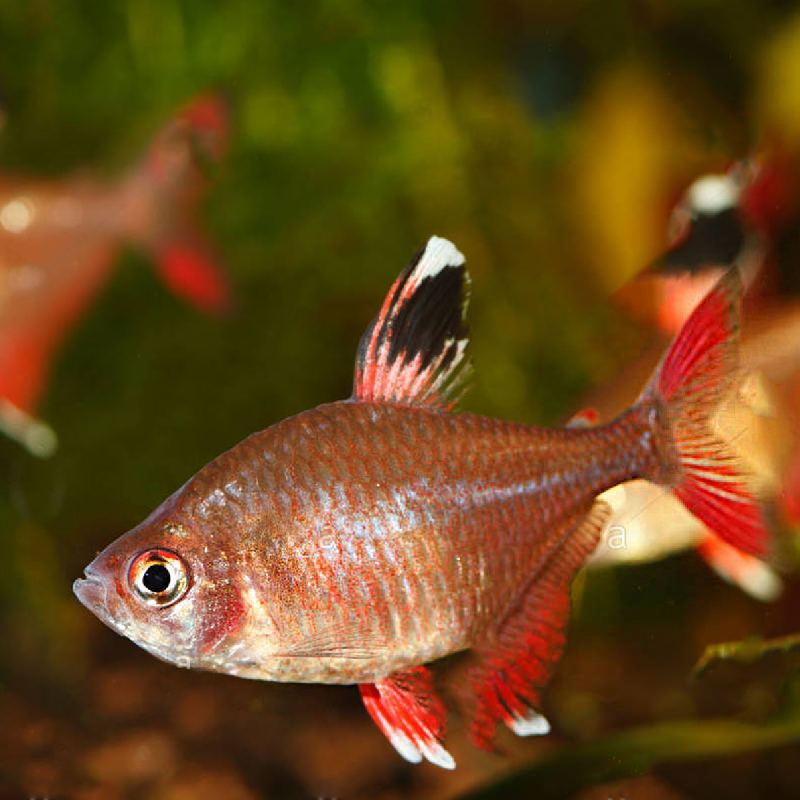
x: 532, y: 724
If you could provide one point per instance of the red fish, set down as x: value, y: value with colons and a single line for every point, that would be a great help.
x: 358, y: 541
x: 745, y: 217
x: 59, y: 241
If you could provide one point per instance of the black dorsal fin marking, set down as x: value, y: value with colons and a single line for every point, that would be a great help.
x: 416, y: 351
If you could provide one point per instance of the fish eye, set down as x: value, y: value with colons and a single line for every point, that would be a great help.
x: 159, y: 577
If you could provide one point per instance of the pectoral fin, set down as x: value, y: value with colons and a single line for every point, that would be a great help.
x: 341, y: 642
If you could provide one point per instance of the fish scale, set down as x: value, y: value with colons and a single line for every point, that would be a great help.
x: 468, y: 517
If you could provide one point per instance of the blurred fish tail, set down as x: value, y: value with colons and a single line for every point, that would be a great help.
x: 694, y: 378
x: 165, y: 192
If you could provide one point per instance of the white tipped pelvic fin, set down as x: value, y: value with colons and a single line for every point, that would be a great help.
x: 418, y: 748
x: 410, y: 714
x: 437, y: 755
x: 532, y: 724
x: 430, y: 750
x: 405, y: 747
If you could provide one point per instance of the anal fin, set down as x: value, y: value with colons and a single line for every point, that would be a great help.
x: 407, y: 709
x: 518, y: 658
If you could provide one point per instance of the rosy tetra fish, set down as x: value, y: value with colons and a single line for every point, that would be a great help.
x: 358, y: 541
x: 59, y: 240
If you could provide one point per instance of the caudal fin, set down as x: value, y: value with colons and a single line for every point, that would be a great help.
x: 694, y: 378
x: 173, y: 178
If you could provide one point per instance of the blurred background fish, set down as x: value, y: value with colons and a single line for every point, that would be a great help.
x: 747, y: 219
x: 60, y: 239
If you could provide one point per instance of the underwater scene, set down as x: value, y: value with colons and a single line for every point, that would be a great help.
x: 400, y: 400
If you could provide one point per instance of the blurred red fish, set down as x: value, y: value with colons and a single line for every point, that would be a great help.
x: 745, y: 218
x: 357, y: 541
x: 59, y: 241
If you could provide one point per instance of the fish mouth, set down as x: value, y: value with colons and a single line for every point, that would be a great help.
x: 91, y: 591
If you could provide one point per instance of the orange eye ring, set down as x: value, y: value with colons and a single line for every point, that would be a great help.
x: 159, y: 577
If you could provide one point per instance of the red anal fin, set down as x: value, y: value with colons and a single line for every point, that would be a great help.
x: 517, y: 661
x: 584, y: 419
x: 190, y: 272
x: 412, y: 716
x: 415, y: 352
x: 755, y: 577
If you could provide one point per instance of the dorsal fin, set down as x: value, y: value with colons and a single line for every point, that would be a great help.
x: 415, y: 351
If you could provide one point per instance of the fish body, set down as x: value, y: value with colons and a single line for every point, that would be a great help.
x: 334, y: 544
x: 59, y: 240
x: 358, y: 541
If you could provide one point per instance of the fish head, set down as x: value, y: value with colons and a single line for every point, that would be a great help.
x: 168, y: 587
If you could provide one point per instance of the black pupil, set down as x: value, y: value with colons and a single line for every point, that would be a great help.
x: 156, y: 578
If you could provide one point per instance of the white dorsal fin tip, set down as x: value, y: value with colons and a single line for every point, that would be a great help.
x: 438, y: 255
x: 415, y: 352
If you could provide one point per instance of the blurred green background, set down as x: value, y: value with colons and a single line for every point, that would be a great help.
x: 546, y: 139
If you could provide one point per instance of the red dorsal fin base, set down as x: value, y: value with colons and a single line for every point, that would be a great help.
x: 415, y: 352
x: 587, y: 418
x: 517, y: 659
x: 407, y: 709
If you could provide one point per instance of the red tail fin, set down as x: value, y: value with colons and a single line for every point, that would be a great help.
x: 695, y: 376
